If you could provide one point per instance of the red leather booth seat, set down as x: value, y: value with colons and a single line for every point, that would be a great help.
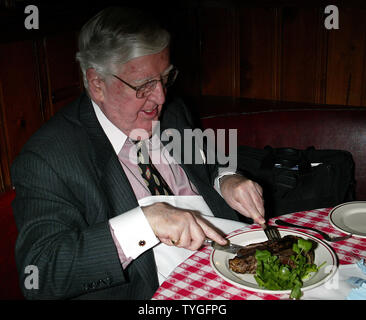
x: 9, y: 285
x: 325, y: 128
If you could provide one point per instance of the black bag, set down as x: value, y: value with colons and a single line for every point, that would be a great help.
x: 297, y: 180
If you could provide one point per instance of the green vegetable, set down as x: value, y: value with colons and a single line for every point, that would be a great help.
x: 273, y: 275
x: 304, y: 244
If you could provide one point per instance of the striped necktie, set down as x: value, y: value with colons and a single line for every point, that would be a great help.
x: 153, y: 179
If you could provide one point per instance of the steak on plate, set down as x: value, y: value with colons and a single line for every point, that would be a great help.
x: 245, y: 261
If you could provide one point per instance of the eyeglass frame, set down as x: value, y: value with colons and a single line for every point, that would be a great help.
x: 136, y: 88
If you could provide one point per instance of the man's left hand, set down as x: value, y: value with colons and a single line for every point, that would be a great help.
x: 244, y: 196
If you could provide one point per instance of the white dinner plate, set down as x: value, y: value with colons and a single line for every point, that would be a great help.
x: 323, y: 253
x: 350, y: 217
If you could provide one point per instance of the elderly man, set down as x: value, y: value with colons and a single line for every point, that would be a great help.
x: 89, y: 215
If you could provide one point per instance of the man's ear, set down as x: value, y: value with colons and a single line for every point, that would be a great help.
x: 95, y: 85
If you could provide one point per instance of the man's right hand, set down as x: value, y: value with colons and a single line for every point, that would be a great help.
x: 180, y: 227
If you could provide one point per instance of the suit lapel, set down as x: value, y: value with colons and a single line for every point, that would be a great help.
x: 113, y: 179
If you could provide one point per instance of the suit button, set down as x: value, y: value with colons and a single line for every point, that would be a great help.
x: 142, y: 243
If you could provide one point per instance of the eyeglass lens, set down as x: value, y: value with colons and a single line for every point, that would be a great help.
x: 148, y: 87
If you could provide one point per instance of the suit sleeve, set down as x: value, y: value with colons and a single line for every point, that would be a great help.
x: 72, y: 256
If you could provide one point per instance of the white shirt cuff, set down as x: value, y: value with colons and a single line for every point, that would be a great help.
x: 217, y: 180
x: 133, y: 232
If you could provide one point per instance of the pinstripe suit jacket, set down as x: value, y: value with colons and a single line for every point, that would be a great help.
x: 68, y: 183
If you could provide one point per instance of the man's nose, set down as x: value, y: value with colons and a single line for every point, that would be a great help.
x: 158, y: 94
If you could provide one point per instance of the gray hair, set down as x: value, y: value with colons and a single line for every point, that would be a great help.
x: 115, y: 36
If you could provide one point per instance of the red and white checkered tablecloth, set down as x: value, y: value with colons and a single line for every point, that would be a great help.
x: 195, y: 279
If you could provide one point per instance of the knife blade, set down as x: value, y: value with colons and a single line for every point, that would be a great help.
x: 229, y: 247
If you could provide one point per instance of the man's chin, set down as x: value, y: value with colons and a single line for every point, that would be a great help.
x: 140, y: 134
x: 145, y: 132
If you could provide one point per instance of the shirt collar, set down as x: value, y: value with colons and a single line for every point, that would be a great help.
x: 114, y: 134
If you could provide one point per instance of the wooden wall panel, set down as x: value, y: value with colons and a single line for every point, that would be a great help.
x: 258, y: 39
x: 185, y: 50
x: 301, y: 54
x: 278, y: 51
x: 346, y: 59
x: 37, y: 78
x: 62, y: 68
x: 219, y: 51
x: 21, y: 99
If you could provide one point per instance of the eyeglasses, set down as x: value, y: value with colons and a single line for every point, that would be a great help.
x: 148, y: 87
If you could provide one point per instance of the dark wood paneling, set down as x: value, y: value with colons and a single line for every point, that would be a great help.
x: 21, y: 99
x: 346, y: 59
x: 219, y: 50
x: 185, y: 50
x: 280, y: 50
x: 301, y: 51
x: 258, y: 52
x: 62, y: 68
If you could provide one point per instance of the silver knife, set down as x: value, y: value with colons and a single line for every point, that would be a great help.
x: 229, y: 247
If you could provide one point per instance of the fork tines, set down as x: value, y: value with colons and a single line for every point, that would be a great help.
x: 271, y: 232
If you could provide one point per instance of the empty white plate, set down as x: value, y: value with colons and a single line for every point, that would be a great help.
x: 350, y: 217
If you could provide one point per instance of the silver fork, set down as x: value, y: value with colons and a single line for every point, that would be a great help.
x: 326, y: 236
x: 271, y: 232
